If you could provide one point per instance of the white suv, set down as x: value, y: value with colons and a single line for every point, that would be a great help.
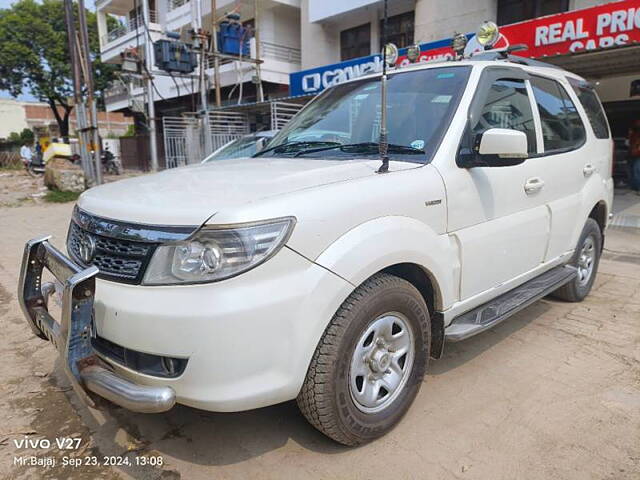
x: 305, y: 273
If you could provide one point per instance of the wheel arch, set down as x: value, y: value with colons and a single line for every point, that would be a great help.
x: 599, y: 214
x: 407, y: 248
x: 426, y: 283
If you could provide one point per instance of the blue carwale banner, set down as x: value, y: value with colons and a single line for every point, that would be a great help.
x: 315, y: 80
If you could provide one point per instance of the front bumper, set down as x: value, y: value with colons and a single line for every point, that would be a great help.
x: 72, y: 334
x: 247, y: 341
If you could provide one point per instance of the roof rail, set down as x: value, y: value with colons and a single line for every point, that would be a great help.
x: 503, y: 55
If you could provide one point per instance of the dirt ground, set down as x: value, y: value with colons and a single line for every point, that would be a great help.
x: 18, y: 188
x: 553, y: 393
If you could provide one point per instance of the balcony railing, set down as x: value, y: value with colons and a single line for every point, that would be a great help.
x: 119, y: 91
x: 173, y: 4
x: 130, y: 25
x: 269, y: 50
x: 280, y: 52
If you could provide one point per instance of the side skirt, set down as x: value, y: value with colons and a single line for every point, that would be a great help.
x: 500, y: 308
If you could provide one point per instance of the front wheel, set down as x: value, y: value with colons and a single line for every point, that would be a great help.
x: 586, y: 259
x: 31, y: 171
x: 370, y: 362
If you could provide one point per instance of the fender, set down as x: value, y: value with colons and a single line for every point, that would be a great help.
x: 596, y: 191
x: 385, y: 241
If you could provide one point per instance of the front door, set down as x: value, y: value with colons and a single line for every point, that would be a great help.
x: 497, y: 214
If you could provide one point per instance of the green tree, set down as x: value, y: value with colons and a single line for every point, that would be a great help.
x: 34, y: 55
x: 24, y: 137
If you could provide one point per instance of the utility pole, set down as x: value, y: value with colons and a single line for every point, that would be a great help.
x: 90, y: 104
x: 81, y: 69
x: 216, y: 60
x: 151, y: 111
x: 256, y: 20
x: 196, y: 24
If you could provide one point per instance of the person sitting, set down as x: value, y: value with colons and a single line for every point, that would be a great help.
x: 25, y: 154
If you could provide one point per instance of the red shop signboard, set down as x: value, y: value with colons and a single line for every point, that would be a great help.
x: 604, y: 26
x: 610, y: 25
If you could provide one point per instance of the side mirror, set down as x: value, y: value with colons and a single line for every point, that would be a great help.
x: 501, y: 147
x: 261, y: 143
x: 496, y: 147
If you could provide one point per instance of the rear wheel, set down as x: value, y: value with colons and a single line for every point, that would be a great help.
x: 31, y: 171
x: 370, y: 362
x: 586, y: 259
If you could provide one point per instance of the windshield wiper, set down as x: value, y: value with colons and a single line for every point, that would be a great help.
x: 363, y: 147
x: 291, y: 146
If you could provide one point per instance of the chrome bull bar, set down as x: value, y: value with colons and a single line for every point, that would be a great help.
x: 72, y: 335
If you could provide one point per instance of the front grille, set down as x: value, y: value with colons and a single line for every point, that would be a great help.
x: 121, y: 250
x: 120, y: 260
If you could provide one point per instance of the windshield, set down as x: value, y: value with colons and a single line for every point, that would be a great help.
x: 241, y: 147
x: 420, y: 104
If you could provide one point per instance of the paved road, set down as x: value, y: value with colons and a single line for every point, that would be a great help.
x: 553, y: 393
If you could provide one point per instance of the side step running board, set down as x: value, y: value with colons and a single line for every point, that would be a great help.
x: 495, y: 311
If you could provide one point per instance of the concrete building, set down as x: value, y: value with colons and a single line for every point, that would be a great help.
x: 308, y: 45
x: 329, y: 27
x: 12, y: 117
x: 16, y: 115
x: 121, y: 27
x: 598, y: 39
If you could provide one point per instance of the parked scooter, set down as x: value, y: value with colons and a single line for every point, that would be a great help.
x: 36, y: 166
x: 110, y: 163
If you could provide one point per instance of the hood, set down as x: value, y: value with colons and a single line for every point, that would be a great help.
x: 190, y: 195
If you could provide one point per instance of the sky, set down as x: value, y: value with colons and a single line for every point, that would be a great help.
x: 28, y: 97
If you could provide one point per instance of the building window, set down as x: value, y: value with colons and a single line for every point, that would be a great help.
x: 512, y: 11
x: 399, y: 30
x: 355, y: 42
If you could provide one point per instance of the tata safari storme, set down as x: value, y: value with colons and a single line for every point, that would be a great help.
x: 304, y: 273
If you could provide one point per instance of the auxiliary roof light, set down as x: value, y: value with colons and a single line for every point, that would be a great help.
x: 458, y: 43
x: 413, y: 52
x: 488, y: 34
x: 390, y: 51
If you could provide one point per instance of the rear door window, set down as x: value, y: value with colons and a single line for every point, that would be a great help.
x: 592, y: 106
x: 508, y: 106
x: 562, y: 128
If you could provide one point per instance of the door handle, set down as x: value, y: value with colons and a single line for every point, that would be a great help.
x: 533, y: 185
x: 588, y: 170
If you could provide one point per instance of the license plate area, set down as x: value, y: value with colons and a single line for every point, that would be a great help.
x: 71, y: 335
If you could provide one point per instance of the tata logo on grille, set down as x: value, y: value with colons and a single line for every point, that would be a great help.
x: 87, y: 248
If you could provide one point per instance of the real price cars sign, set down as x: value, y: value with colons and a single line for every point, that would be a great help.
x: 604, y: 26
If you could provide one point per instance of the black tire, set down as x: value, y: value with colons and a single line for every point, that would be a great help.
x: 577, y: 289
x: 325, y: 398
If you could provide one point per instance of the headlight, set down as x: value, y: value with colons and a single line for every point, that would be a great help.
x: 216, y: 253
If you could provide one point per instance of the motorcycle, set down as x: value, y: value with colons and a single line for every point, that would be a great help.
x: 110, y: 164
x: 37, y: 165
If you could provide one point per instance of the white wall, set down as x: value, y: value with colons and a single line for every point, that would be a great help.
x: 320, y: 10
x: 614, y: 89
x: 12, y: 117
x: 438, y: 19
x: 281, y: 25
x: 321, y: 40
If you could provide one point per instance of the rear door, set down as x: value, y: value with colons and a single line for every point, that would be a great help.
x: 564, y: 159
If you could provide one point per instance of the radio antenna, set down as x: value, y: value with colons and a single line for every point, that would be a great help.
x: 383, y: 142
